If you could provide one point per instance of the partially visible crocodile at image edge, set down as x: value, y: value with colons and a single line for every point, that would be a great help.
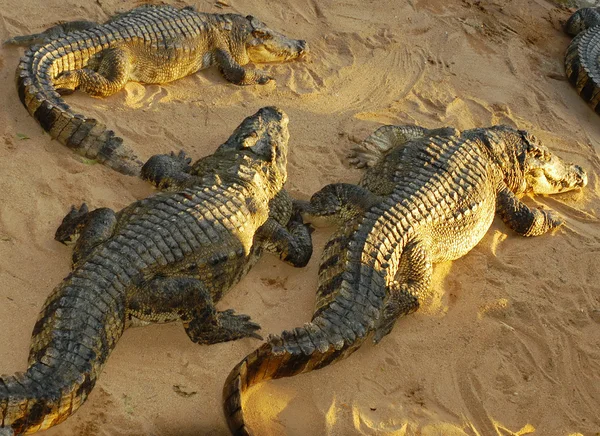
x: 428, y: 196
x: 582, y: 60
x: 168, y: 257
x: 148, y: 44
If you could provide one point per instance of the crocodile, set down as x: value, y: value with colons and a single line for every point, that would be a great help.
x: 168, y: 257
x: 428, y: 196
x: 148, y: 44
x: 582, y: 60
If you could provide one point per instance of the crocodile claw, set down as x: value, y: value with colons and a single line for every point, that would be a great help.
x: 181, y: 157
x: 238, y: 325
x: 552, y: 219
x: 263, y: 80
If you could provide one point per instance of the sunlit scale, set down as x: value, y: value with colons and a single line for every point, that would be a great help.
x: 168, y: 257
x: 428, y: 196
x: 149, y: 44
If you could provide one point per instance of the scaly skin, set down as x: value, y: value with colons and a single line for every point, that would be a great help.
x: 168, y: 257
x: 582, y: 60
x: 438, y: 197
x: 149, y: 44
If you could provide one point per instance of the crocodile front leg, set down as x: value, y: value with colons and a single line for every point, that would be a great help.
x: 111, y: 76
x: 166, y: 299
x: 523, y: 219
x: 86, y: 229
x: 235, y: 73
x: 404, y: 296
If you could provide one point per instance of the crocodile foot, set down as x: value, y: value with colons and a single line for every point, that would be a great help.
x: 167, y: 171
x: 69, y: 229
x: 552, y: 219
x: 228, y: 327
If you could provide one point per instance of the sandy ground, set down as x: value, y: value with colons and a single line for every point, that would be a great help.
x: 508, y: 344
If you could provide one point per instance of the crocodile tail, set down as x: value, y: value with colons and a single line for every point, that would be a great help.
x: 75, y: 333
x: 582, y: 68
x: 300, y: 350
x: 581, y: 20
x: 86, y: 136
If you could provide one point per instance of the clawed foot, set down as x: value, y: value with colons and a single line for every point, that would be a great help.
x: 385, y: 326
x: 228, y: 327
x: 255, y: 77
x: 68, y: 231
x: 400, y: 302
x: 263, y: 78
x: 299, y: 207
x: 552, y: 219
x: 167, y: 171
x: 182, y: 158
x: 359, y: 158
x: 238, y: 326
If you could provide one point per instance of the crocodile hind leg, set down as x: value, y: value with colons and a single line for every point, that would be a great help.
x: 292, y: 244
x: 235, y: 73
x: 340, y: 201
x: 165, y: 299
x: 112, y: 74
x: 371, y: 150
x: 86, y: 229
x: 167, y: 172
x: 53, y: 32
x: 523, y: 219
x: 404, y: 296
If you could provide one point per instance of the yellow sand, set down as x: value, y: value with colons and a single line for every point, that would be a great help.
x: 509, y: 344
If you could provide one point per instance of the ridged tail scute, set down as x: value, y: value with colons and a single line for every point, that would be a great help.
x: 86, y: 136
x: 294, y: 352
x: 582, y: 67
x: 33, y: 401
x: 76, y: 331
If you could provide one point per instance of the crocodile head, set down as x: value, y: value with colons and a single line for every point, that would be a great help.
x: 546, y: 173
x: 266, y: 45
x: 262, y: 142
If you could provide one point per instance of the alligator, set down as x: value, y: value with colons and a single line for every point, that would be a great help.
x: 148, y: 44
x: 428, y: 196
x: 582, y: 63
x: 164, y: 258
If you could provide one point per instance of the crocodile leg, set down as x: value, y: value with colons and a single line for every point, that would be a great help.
x: 168, y: 172
x: 235, y: 73
x: 187, y: 299
x: 292, y: 244
x: 86, y: 229
x: 53, y: 32
x: 112, y: 75
x: 405, y: 296
x: 371, y: 150
x: 368, y: 152
x: 521, y: 218
x: 341, y: 201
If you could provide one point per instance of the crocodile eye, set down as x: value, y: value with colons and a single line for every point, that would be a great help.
x: 261, y: 34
